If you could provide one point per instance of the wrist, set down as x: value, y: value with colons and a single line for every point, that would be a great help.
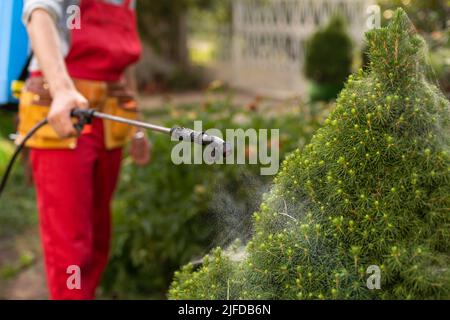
x: 61, y: 85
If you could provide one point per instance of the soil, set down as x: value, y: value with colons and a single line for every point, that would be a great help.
x: 27, y: 281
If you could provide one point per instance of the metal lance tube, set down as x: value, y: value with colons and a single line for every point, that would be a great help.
x: 89, y: 113
x: 177, y: 133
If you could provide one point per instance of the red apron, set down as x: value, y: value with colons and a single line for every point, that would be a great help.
x: 107, y: 42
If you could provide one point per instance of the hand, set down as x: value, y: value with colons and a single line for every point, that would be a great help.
x: 64, y: 101
x: 140, y: 149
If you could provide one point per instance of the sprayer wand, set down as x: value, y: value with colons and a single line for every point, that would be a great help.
x: 177, y: 133
x: 84, y: 116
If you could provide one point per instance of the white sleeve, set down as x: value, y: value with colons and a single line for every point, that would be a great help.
x: 57, y: 10
x: 54, y: 7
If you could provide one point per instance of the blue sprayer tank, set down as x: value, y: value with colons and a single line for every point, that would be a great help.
x: 14, y: 47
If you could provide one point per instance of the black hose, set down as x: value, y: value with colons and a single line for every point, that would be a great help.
x: 82, y: 115
x: 19, y: 148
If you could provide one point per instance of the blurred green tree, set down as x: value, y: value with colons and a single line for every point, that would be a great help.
x: 163, y: 25
x: 427, y: 16
x: 328, y: 60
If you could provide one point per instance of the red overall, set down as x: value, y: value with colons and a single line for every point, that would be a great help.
x: 75, y: 187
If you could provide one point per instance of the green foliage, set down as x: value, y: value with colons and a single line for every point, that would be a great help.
x: 6, y: 151
x: 17, y: 205
x: 181, y: 79
x: 440, y: 62
x: 25, y: 260
x: 372, y: 188
x: 6, y: 123
x: 329, y: 54
x: 6, y: 147
x: 167, y: 215
x: 428, y: 16
x: 210, y: 281
x: 17, y: 208
x: 159, y: 21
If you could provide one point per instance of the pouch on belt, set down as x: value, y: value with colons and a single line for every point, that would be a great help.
x: 35, y: 101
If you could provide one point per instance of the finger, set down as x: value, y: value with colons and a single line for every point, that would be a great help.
x: 64, y: 126
x: 56, y: 125
x: 82, y: 103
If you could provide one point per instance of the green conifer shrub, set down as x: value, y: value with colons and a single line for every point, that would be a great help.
x: 328, y: 60
x: 372, y: 188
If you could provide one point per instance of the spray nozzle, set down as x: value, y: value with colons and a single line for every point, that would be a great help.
x: 219, y: 145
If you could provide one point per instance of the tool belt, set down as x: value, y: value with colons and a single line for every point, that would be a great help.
x: 111, y: 98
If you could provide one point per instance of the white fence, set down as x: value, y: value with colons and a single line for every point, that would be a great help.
x: 268, y: 40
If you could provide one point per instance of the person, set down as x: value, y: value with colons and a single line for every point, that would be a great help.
x: 83, y: 57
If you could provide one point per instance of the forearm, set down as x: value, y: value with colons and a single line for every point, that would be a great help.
x: 46, y: 47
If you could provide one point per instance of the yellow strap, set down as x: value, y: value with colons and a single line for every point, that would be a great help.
x: 16, y: 88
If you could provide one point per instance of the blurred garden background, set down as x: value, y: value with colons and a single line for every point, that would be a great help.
x: 232, y: 64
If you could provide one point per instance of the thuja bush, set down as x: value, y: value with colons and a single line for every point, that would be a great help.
x: 371, y: 189
x: 328, y: 60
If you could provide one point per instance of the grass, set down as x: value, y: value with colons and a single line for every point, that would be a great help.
x: 7, y: 123
x: 25, y: 260
x: 17, y: 204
